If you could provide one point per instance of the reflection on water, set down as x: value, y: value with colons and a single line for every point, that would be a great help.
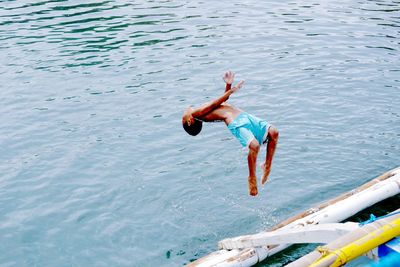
x: 95, y: 168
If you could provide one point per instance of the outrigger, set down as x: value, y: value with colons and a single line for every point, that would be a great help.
x: 377, y: 238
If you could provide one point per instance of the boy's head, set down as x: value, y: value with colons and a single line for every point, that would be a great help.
x: 191, y: 125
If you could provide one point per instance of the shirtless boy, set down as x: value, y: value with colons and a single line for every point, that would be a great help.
x: 251, y: 131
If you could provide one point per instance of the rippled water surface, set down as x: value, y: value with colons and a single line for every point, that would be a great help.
x: 95, y: 169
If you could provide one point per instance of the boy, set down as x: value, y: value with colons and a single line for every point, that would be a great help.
x: 248, y: 129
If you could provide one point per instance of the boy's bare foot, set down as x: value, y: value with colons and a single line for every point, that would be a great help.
x: 266, y: 171
x: 253, y: 186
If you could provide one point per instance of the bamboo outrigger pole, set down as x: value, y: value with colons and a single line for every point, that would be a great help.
x: 355, y: 249
x: 353, y: 244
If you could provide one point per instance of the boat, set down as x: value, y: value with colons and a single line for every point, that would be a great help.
x: 320, y: 224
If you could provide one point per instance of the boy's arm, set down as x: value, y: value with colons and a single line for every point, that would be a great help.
x: 210, y: 106
x: 228, y: 78
x: 228, y: 87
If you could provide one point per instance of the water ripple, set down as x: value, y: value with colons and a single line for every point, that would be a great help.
x: 95, y: 165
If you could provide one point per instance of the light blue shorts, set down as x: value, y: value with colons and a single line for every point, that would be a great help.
x: 246, y: 127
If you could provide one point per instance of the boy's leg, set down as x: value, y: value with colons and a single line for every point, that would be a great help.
x: 254, y: 147
x: 273, y: 136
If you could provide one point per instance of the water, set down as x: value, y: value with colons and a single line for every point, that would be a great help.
x: 95, y: 168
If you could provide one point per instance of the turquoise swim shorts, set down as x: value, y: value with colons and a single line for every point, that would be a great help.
x: 246, y: 127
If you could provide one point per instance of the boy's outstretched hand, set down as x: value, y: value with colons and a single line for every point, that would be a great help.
x: 237, y: 87
x: 228, y: 77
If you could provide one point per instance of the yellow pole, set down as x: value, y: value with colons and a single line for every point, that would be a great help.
x: 362, y: 245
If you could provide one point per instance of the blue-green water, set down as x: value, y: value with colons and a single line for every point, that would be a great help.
x: 95, y: 169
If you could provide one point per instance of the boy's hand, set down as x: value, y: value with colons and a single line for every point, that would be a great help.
x: 228, y: 77
x: 237, y: 87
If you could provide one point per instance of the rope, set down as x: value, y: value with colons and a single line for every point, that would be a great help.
x: 373, y: 218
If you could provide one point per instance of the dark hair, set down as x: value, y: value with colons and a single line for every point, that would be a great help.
x: 193, y: 129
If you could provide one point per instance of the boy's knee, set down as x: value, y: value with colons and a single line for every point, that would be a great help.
x: 254, y: 145
x: 273, y: 133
